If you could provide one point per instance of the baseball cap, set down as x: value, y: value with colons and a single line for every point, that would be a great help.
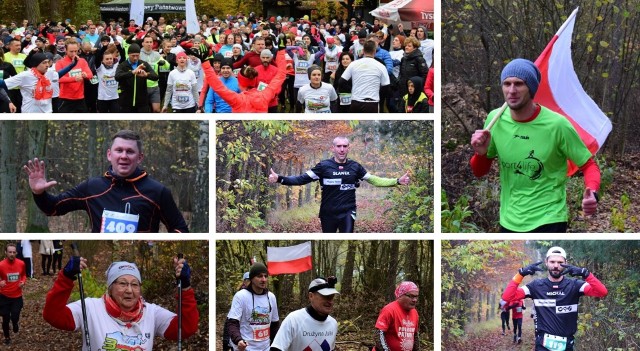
x: 557, y: 251
x: 245, y: 276
x: 324, y: 287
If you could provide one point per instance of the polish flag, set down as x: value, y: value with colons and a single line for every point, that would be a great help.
x: 289, y: 259
x: 561, y: 91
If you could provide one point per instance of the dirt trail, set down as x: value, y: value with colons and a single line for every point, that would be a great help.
x: 493, y: 340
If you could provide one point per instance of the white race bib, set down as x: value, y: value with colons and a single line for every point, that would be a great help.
x: 260, y: 332
x: 345, y: 99
x: 554, y: 342
x: 118, y: 222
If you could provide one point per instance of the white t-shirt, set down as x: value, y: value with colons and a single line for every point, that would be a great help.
x: 300, y: 66
x: 367, y: 76
x: 426, y: 46
x: 107, y: 333
x: 183, y: 82
x: 54, y: 78
x: 396, y: 55
x: 317, y: 100
x: 196, y: 67
x: 108, y: 87
x: 26, y: 81
x: 299, y: 331
x: 255, y: 313
x: 331, y: 59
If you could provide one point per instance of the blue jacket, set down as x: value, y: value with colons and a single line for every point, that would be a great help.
x: 215, y: 102
x: 384, y: 55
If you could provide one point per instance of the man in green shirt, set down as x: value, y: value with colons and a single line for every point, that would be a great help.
x: 16, y: 58
x: 532, y: 144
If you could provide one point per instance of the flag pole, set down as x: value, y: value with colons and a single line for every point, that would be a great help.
x: 497, y: 116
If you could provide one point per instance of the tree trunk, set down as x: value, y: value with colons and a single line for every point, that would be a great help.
x: 32, y: 11
x: 347, y: 273
x: 8, y: 168
x: 289, y: 197
x: 200, y: 221
x: 393, y: 269
x: 37, y: 222
x: 411, y: 262
x: 92, y: 159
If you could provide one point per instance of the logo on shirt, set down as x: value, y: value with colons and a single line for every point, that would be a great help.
x: 554, y: 293
x: 348, y: 187
x: 544, y: 303
x: 567, y: 309
x: 117, y: 341
x: 530, y: 167
x: 523, y: 137
x: 341, y: 173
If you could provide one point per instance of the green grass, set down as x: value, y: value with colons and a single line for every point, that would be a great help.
x: 290, y: 218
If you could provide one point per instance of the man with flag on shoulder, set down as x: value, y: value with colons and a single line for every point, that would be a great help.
x: 311, y: 327
x: 555, y: 299
x: 253, y: 320
x: 533, y: 145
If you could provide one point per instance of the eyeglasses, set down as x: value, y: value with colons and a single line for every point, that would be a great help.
x: 124, y: 285
x: 412, y: 297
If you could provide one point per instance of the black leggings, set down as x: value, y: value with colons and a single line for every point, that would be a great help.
x: 517, y: 326
x: 343, y: 223
x: 46, y: 263
x: 10, y: 310
x: 505, y: 320
x: 57, y: 261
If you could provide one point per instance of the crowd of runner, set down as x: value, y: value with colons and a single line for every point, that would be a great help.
x: 117, y: 66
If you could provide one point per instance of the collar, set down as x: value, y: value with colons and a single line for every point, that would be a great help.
x: 315, y: 315
x: 264, y: 291
x: 535, y: 114
x: 135, y: 176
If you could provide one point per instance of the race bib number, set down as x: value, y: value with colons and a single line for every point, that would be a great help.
x: 554, y: 342
x: 519, y: 309
x: 332, y: 66
x: 236, y: 72
x: 262, y: 86
x: 13, y: 277
x: 118, y: 222
x: 301, y: 67
x: 345, y: 99
x: 94, y: 80
x: 260, y: 332
x: 183, y: 99
x: 110, y: 82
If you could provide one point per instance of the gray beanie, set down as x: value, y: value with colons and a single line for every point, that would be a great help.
x: 266, y: 53
x: 525, y: 70
x: 118, y: 269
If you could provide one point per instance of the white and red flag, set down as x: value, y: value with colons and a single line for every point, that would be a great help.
x: 289, y: 259
x: 561, y: 91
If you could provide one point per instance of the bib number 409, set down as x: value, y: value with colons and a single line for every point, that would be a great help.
x: 118, y: 222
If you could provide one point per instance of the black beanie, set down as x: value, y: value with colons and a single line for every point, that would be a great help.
x: 134, y: 49
x: 256, y: 269
x: 37, y: 59
x: 362, y: 34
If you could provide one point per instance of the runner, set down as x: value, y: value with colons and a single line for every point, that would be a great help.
x: 555, y: 299
x: 317, y: 96
x: 132, y: 75
x: 12, y: 279
x: 124, y: 199
x: 312, y: 326
x: 339, y: 178
x: 504, y: 315
x: 121, y: 318
x: 253, y: 320
x: 71, y: 97
x: 533, y: 144
x: 182, y: 88
x: 517, y: 307
x: 397, y: 324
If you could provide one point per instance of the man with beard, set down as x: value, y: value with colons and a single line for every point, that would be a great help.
x: 339, y: 178
x: 12, y: 279
x: 125, y: 199
x: 397, y: 324
x: 555, y: 298
x: 312, y: 326
x: 533, y: 144
x: 253, y: 320
x: 266, y: 72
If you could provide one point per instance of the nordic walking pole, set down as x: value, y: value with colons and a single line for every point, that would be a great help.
x: 87, y: 338
x: 180, y: 256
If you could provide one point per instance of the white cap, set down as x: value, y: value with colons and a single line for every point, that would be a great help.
x: 245, y: 276
x: 149, y: 18
x: 557, y: 251
x: 321, y: 286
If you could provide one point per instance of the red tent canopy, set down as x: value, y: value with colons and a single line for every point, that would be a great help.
x: 414, y: 11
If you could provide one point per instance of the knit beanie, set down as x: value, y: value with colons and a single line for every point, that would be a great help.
x: 118, y: 269
x: 525, y: 70
x: 37, y: 59
x: 256, y: 269
x: 134, y: 49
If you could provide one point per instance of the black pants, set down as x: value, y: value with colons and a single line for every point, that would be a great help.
x: 27, y: 267
x: 185, y: 110
x: 16, y: 97
x: 342, y: 223
x: 72, y: 106
x: 46, y: 264
x: 10, y: 308
x: 559, y: 227
x: 108, y: 106
x: 287, y: 91
x: 363, y: 106
x: 143, y: 108
x: 57, y: 261
x: 505, y: 320
x: 517, y: 326
x: 539, y: 343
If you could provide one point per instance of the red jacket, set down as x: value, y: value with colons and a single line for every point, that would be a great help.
x: 265, y: 75
x: 250, y: 100
x: 13, y: 274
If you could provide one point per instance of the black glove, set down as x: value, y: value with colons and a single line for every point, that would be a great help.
x: 530, y: 269
x: 72, y: 269
x: 161, y: 62
x: 185, y: 276
x: 575, y: 271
